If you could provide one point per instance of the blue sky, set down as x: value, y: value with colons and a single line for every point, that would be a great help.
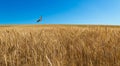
x: 60, y: 11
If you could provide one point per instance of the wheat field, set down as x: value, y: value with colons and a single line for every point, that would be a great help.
x: 60, y: 45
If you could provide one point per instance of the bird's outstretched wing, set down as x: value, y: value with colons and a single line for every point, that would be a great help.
x: 40, y: 19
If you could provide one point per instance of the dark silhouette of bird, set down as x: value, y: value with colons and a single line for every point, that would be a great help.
x: 40, y: 19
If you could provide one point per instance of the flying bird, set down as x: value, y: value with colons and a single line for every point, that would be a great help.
x: 40, y: 19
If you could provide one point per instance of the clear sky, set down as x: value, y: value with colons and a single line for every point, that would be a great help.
x: 60, y: 11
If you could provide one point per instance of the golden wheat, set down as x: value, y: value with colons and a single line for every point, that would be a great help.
x: 60, y: 45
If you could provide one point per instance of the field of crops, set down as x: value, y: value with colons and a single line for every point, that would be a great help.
x: 59, y: 45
